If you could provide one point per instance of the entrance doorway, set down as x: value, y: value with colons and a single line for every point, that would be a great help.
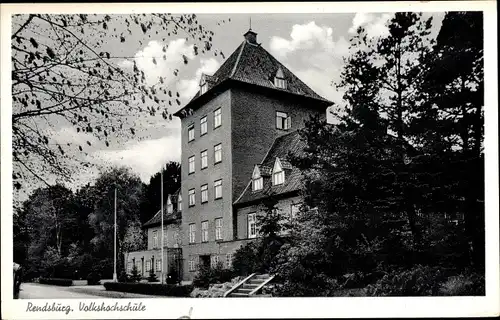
x: 205, y: 261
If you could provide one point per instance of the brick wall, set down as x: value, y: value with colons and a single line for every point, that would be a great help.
x: 170, y: 241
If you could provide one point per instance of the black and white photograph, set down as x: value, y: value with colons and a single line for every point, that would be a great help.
x: 164, y: 155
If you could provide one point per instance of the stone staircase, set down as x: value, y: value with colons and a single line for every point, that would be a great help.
x: 249, y: 287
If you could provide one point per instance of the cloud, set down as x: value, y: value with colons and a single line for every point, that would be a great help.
x: 166, y: 62
x: 188, y: 87
x: 305, y: 36
x: 374, y: 24
x: 144, y: 157
x: 68, y: 134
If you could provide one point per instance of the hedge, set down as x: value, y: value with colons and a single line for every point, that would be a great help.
x: 56, y: 281
x: 149, y: 288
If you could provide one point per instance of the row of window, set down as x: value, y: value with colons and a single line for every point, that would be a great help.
x: 204, y: 159
x: 204, y: 125
x: 157, y: 239
x: 252, y: 225
x: 204, y: 231
x: 214, y: 261
x: 204, y: 193
x: 149, y: 267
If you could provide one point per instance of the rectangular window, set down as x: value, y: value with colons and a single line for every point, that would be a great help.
x: 218, y: 153
x: 129, y: 266
x: 218, y: 189
x: 229, y: 260
x: 138, y: 265
x: 148, y: 265
x: 192, y: 197
x: 214, y: 261
x: 179, y: 203
x: 283, y: 121
x: 191, y: 133
x: 192, y: 265
x: 158, y: 265
x: 204, y: 193
x: 217, y: 118
x: 164, y: 237
x: 294, y: 210
x: 203, y: 125
x: 252, y: 225
x: 257, y: 184
x: 155, y: 239
x: 192, y: 233
x: 204, y: 231
x: 191, y: 165
x: 204, y: 159
x: 218, y: 229
x: 278, y: 178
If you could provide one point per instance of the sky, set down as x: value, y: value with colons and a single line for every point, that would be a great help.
x: 310, y: 45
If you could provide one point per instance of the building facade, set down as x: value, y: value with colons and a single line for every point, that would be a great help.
x: 239, y: 126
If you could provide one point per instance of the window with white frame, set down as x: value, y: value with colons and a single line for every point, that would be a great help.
x: 158, y: 264
x: 148, y: 265
x: 164, y: 237
x: 218, y: 153
x: 191, y: 133
x: 204, y: 159
x: 155, y: 239
x: 192, y: 197
x: 217, y: 118
x: 214, y: 260
x: 229, y: 260
x: 192, y: 265
x: 138, y: 265
x: 179, y: 203
x: 218, y: 189
x: 280, y: 83
x: 203, y: 84
x: 252, y: 225
x: 170, y: 206
x: 283, y: 121
x: 278, y: 173
x: 192, y: 233
x: 204, y: 193
x: 257, y: 180
x: 204, y: 231
x: 295, y: 209
x: 129, y: 266
x: 203, y: 125
x: 191, y: 164
x: 218, y: 229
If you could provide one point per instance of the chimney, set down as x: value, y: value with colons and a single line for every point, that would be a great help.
x: 251, y: 36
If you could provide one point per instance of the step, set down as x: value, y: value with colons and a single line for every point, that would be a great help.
x: 249, y: 286
x: 261, y: 276
x: 256, y: 281
x: 242, y: 290
x: 234, y: 294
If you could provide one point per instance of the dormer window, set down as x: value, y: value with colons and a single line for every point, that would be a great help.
x: 279, y: 79
x: 179, y: 203
x: 170, y: 206
x: 257, y: 180
x: 278, y: 173
x: 203, y: 84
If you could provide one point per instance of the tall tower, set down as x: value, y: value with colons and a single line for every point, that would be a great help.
x: 227, y: 128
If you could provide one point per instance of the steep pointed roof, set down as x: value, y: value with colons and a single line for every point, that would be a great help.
x: 167, y: 217
x: 251, y: 64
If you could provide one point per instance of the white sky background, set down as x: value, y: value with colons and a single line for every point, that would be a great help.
x: 310, y: 45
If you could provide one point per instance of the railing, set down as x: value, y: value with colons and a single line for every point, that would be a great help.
x: 254, y: 291
x: 239, y: 284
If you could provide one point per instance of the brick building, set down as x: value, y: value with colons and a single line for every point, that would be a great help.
x: 236, y: 133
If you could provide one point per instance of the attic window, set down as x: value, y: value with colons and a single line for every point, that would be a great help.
x: 257, y: 180
x: 203, y: 84
x: 278, y: 173
x: 279, y: 79
x: 179, y: 203
x: 170, y: 207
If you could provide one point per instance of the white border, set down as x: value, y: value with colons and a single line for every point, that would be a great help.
x: 274, y: 307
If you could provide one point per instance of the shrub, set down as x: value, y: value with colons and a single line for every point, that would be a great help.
x: 135, y: 276
x: 93, y: 278
x: 152, y: 276
x: 56, y: 281
x: 207, y: 276
x: 173, y: 277
x: 418, y: 281
x: 123, y: 277
x: 245, y: 259
x: 152, y: 289
x: 463, y: 285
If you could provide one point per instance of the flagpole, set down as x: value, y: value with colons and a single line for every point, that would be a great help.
x: 162, y: 232
x: 114, y: 255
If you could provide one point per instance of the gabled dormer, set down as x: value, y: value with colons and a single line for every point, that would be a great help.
x: 278, y: 173
x: 179, y: 202
x: 203, y: 84
x: 257, y: 180
x: 170, y: 206
x: 279, y: 79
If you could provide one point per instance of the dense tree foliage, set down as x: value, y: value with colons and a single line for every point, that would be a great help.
x: 398, y: 181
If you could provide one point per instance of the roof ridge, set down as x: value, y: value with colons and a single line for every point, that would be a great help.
x: 237, y: 60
